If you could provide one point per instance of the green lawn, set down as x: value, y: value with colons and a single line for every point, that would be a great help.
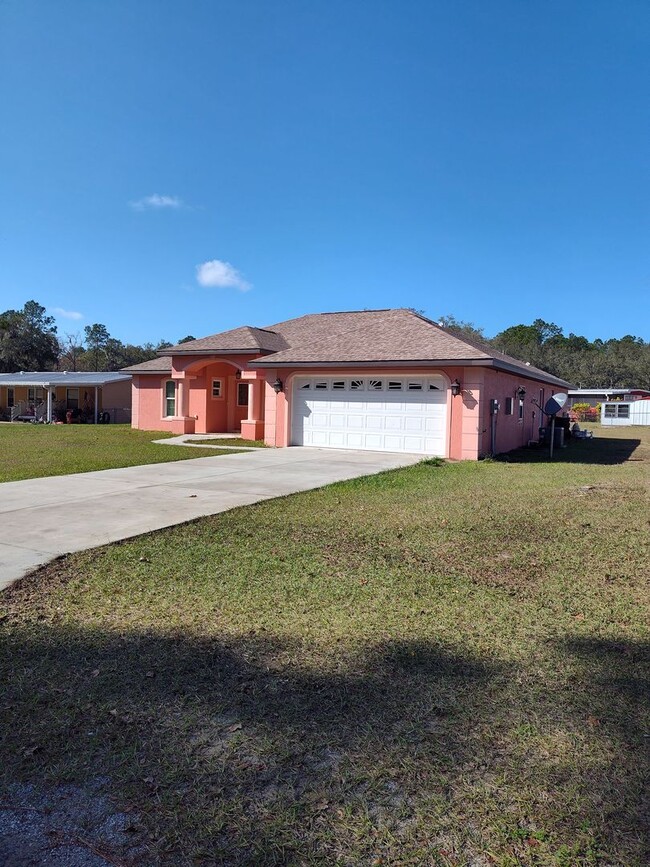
x: 29, y: 451
x: 442, y: 665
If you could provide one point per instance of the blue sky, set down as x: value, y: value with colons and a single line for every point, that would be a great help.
x: 483, y: 159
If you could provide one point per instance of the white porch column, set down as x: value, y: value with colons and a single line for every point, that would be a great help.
x: 251, y: 400
x: 49, y: 404
x: 96, y: 402
x: 183, y: 408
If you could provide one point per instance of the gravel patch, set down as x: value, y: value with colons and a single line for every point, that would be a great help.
x: 68, y: 826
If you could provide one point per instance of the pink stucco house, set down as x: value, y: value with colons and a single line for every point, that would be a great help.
x: 386, y: 380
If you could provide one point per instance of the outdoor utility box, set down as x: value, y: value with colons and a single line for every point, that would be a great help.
x: 545, y: 435
x: 565, y: 424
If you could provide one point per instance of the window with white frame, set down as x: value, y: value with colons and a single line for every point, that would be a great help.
x: 216, y: 388
x: 617, y: 410
x: 170, y: 398
x: 72, y: 398
x: 11, y: 397
x: 521, y: 409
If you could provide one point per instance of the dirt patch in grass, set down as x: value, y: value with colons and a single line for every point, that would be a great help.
x: 435, y: 666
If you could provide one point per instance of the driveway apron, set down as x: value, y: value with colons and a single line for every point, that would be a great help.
x: 41, y: 519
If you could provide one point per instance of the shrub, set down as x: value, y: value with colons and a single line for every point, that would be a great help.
x: 585, y: 412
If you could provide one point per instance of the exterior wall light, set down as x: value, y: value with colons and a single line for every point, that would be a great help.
x: 277, y: 386
x: 455, y: 388
x: 521, y: 392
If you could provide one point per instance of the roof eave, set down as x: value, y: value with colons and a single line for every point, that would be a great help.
x: 268, y: 362
x: 133, y: 371
x: 426, y: 362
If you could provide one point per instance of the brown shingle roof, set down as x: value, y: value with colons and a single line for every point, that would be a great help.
x: 154, y: 365
x: 352, y: 337
x: 244, y: 339
x: 384, y: 336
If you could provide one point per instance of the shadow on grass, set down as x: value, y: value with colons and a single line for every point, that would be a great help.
x: 598, y: 450
x: 238, y: 753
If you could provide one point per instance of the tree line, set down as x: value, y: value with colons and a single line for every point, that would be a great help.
x: 622, y: 362
x: 29, y: 340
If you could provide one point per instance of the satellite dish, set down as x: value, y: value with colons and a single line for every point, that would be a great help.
x: 555, y: 403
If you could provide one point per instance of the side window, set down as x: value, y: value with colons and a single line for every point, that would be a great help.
x: 11, y: 397
x: 508, y: 409
x: 72, y: 398
x: 521, y: 409
x: 242, y: 394
x: 216, y: 388
x: 170, y: 398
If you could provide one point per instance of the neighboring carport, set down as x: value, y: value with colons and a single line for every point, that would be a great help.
x: 27, y: 395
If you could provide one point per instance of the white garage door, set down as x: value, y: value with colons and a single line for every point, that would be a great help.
x: 392, y: 414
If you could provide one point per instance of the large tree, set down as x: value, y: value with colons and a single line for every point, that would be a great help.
x: 27, y: 339
x: 463, y: 329
x: 97, y: 338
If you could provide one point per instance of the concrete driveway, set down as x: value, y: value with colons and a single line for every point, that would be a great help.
x: 41, y: 519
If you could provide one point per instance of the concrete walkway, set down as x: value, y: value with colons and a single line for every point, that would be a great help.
x: 41, y: 519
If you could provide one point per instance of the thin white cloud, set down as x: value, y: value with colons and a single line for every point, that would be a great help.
x: 156, y: 202
x: 67, y: 314
x: 221, y: 275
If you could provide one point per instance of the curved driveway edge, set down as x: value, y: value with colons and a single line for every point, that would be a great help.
x: 41, y: 519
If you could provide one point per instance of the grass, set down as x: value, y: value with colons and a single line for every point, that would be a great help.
x: 30, y: 451
x: 233, y: 441
x: 442, y: 665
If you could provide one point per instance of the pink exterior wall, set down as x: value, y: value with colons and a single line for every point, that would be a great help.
x: 147, y: 409
x: 511, y: 432
x: 201, y: 413
x: 468, y: 415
